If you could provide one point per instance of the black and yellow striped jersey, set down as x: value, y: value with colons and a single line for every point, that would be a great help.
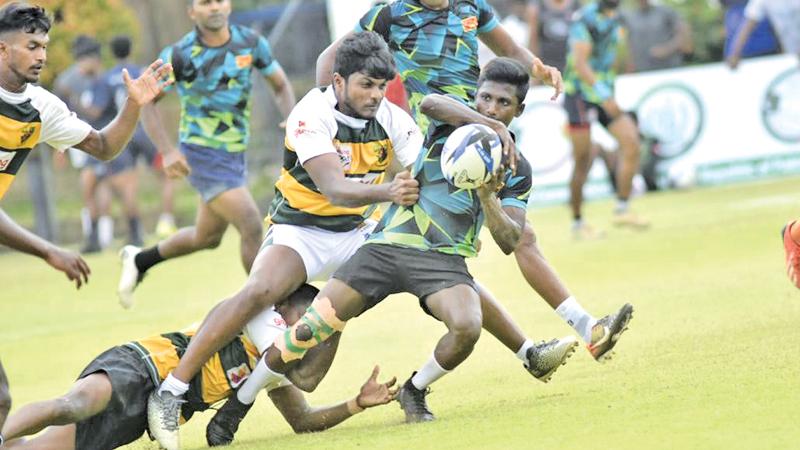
x: 220, y: 375
x: 27, y: 118
x: 365, y: 148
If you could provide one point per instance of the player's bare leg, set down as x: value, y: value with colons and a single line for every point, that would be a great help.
x: 54, y: 438
x: 624, y: 130
x: 87, y: 397
x: 582, y: 157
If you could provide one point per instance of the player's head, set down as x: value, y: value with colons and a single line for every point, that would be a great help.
x: 23, y: 40
x: 86, y: 51
x: 211, y: 15
x: 502, y: 87
x: 294, y: 306
x: 121, y: 46
x: 609, y: 4
x: 362, y: 69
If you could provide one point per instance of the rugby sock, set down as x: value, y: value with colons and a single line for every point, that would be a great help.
x: 522, y: 353
x: 173, y: 385
x: 134, y: 230
x: 574, y: 314
x: 147, y: 258
x: 105, y: 231
x: 258, y: 380
x: 622, y: 206
x: 429, y: 373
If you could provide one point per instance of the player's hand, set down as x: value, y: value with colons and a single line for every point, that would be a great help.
x: 548, y: 75
x: 611, y: 108
x: 488, y: 190
x: 175, y: 165
x: 374, y: 393
x: 509, y: 148
x: 150, y: 84
x: 71, y: 264
x: 404, y: 190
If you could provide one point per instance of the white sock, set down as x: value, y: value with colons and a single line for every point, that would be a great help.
x: 522, y: 353
x: 258, y: 380
x: 574, y: 314
x: 429, y: 373
x: 105, y: 231
x: 622, y: 206
x: 86, y: 223
x: 173, y: 385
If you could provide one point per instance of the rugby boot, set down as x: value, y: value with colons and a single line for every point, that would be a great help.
x: 606, y: 332
x: 584, y: 232
x: 163, y: 417
x: 130, y: 276
x: 412, y: 402
x: 544, y: 358
x: 630, y: 220
x: 792, y: 251
x: 225, y: 423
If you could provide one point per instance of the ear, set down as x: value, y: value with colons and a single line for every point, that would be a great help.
x: 520, y: 110
x: 338, y: 81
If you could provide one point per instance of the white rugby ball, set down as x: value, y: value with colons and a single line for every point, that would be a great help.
x: 471, y: 154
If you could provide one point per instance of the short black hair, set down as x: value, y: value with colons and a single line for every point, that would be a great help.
x: 121, y: 46
x: 18, y: 16
x: 84, y: 45
x: 508, y: 71
x: 303, y: 296
x: 365, y: 52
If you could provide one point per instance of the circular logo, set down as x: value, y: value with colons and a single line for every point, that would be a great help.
x: 673, y: 114
x: 780, y: 108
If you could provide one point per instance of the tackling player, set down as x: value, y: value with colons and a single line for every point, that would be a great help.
x: 107, y: 407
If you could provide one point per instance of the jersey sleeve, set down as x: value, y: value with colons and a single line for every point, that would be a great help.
x: 404, y: 134
x: 377, y: 19
x: 167, y: 57
x: 487, y: 19
x: 263, y: 60
x: 61, y: 128
x: 310, y: 128
x: 518, y: 187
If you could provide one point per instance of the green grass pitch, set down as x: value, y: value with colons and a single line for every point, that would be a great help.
x: 710, y: 361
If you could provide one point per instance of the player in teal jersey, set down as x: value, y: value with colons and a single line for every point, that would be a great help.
x: 436, y: 40
x: 213, y: 67
x: 421, y: 248
x: 595, y: 36
x: 435, y: 46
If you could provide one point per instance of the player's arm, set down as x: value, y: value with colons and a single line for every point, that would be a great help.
x: 326, y: 173
x: 505, y: 223
x: 532, y: 16
x: 326, y: 59
x: 5, y: 399
x: 282, y: 89
x: 304, y: 418
x: 108, y: 142
x: 453, y: 112
x: 500, y: 42
x: 741, y: 39
x: 310, y: 371
x: 18, y: 238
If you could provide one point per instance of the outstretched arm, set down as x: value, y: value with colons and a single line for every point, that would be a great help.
x: 18, y: 238
x: 108, y: 142
x: 303, y: 418
x: 505, y: 224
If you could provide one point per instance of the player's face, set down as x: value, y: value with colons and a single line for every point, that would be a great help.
x: 25, y: 54
x: 210, y: 14
x: 498, y: 101
x: 360, y: 95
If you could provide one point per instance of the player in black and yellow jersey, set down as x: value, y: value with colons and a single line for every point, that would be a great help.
x: 107, y: 406
x: 30, y: 115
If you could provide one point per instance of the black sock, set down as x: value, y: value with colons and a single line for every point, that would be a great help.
x: 134, y: 231
x: 147, y: 258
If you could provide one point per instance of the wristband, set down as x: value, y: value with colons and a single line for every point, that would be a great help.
x: 602, y: 90
x: 353, y: 408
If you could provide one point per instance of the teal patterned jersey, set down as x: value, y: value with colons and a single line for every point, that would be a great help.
x: 436, y: 51
x: 214, y: 85
x: 605, y: 34
x: 445, y: 219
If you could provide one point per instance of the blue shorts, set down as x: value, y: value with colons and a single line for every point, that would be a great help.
x: 214, y: 171
x: 123, y: 162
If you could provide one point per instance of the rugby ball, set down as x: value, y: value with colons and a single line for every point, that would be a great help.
x: 470, y: 155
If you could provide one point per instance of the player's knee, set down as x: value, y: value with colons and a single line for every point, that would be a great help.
x: 210, y: 241
x: 467, y: 328
x: 260, y: 295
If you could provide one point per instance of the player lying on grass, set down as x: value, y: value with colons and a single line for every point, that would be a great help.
x: 106, y: 408
x: 403, y: 257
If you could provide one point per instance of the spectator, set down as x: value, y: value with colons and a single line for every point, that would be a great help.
x: 549, y: 22
x: 784, y: 15
x: 762, y: 40
x: 658, y: 36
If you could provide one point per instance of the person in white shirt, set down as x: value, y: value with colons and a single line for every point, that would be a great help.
x: 784, y: 15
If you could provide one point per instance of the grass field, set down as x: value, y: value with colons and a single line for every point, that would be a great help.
x: 711, y: 359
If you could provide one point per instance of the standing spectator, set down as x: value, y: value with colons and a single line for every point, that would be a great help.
x: 784, y: 15
x: 762, y: 40
x: 658, y: 36
x: 549, y: 22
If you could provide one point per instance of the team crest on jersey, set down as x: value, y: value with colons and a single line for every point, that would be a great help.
x: 345, y: 154
x: 382, y: 152
x: 5, y: 159
x: 27, y: 133
x: 237, y: 375
x: 469, y: 24
x: 243, y: 61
